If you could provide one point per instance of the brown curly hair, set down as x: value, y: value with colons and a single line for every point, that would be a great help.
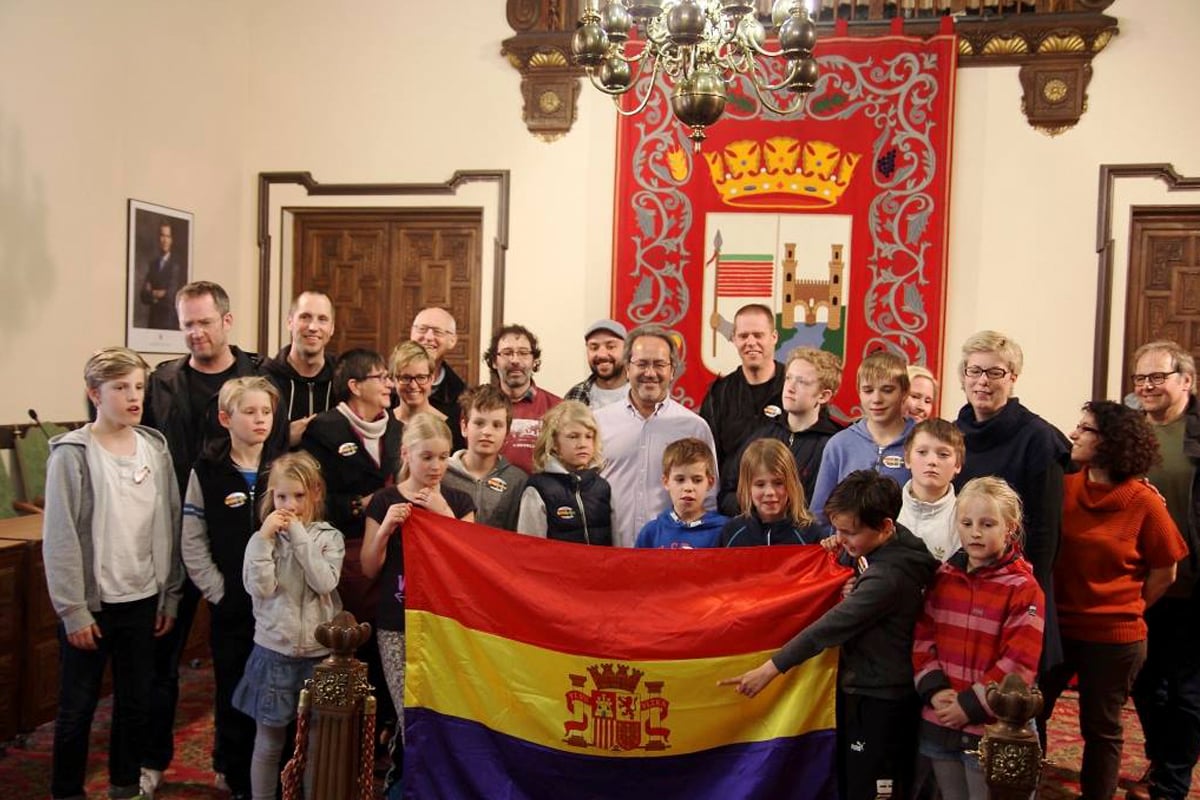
x: 1128, y: 447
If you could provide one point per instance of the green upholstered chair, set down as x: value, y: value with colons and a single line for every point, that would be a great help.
x: 32, y: 449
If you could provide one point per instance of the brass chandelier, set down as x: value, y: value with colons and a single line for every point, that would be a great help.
x: 703, y: 46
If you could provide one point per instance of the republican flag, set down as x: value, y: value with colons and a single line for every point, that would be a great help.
x: 541, y: 669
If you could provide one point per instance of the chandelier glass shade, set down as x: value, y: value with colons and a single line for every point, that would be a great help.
x: 703, y: 47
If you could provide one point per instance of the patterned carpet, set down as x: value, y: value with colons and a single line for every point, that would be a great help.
x: 25, y: 765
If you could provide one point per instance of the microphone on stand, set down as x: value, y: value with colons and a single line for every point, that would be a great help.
x: 33, y: 415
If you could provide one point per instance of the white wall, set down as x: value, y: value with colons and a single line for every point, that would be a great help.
x: 349, y: 92
x: 1023, y: 218
x: 100, y: 102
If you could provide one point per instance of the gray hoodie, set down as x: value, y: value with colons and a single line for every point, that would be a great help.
x: 68, y: 546
x: 497, y: 495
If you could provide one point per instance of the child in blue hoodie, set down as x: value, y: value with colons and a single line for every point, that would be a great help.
x: 689, y: 473
x: 876, y: 440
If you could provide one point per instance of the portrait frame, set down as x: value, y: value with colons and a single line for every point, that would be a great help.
x: 151, y: 322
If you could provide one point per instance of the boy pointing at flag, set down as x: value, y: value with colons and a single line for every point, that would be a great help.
x: 879, y: 708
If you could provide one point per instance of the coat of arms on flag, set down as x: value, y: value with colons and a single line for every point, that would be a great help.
x: 834, y: 216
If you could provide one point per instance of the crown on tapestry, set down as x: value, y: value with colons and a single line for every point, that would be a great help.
x: 781, y: 172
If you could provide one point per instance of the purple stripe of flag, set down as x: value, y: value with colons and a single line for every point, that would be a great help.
x: 460, y: 758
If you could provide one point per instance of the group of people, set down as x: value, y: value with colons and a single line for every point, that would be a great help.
x: 278, y: 490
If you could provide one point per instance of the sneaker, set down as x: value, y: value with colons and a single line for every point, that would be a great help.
x: 150, y: 781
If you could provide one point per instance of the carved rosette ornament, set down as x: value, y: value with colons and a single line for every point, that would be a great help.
x: 1054, y: 49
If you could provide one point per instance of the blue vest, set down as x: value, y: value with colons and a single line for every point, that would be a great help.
x: 578, y: 506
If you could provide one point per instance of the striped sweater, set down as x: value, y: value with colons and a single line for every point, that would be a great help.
x: 975, y: 628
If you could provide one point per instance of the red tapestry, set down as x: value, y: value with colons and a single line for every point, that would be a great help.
x: 835, y: 215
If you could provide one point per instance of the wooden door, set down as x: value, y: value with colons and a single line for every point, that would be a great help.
x: 381, y: 266
x: 1163, y: 296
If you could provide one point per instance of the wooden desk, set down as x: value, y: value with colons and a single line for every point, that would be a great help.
x: 36, y: 660
x: 37, y: 626
x: 12, y: 586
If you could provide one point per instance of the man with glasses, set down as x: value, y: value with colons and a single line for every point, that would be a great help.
x: 1167, y: 690
x: 512, y: 357
x: 434, y: 329
x: 302, y: 371
x: 739, y: 403
x: 635, y: 432
x: 181, y: 402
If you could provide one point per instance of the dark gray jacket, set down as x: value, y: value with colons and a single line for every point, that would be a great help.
x: 874, y: 623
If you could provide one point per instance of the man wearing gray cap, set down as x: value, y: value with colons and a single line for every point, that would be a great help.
x: 605, y: 341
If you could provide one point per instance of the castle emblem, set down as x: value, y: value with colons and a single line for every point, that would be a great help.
x: 615, y: 715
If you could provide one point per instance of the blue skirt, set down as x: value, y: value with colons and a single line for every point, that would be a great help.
x: 269, y: 690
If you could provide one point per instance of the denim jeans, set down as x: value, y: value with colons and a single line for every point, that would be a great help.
x: 127, y: 640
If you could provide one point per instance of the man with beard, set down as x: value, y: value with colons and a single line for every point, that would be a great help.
x: 605, y: 342
x: 435, y: 329
x: 302, y: 371
x: 513, y: 356
x: 746, y: 399
x: 635, y: 432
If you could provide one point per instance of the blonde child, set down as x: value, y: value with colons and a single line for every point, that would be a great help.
x: 291, y: 572
x: 565, y: 498
x: 922, y: 393
x: 771, y: 499
x: 811, y: 380
x: 424, y: 454
x: 990, y: 585
x: 689, y: 472
x: 111, y: 551
x: 934, y: 453
x: 219, y: 517
x: 876, y: 441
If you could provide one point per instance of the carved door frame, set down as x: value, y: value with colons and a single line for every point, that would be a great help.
x: 1105, y: 244
x: 267, y: 253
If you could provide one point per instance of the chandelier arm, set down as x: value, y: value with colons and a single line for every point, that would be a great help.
x: 645, y: 99
x: 774, y: 87
x: 764, y: 98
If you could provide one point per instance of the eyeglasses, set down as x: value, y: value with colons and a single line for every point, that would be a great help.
x: 523, y: 352
x: 1082, y: 428
x: 646, y: 366
x: 408, y: 380
x: 382, y: 377
x: 993, y: 373
x: 438, y: 333
x: 1153, y: 378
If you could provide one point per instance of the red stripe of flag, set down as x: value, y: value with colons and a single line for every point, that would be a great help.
x: 688, y: 603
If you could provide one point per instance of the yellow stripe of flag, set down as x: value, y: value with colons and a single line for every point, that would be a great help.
x: 552, y: 699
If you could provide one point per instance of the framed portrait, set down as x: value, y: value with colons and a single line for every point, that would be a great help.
x: 159, y: 264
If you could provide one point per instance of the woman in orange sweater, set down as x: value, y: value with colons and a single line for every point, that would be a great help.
x: 1117, y: 556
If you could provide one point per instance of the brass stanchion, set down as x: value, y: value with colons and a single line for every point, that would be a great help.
x: 1009, y: 752
x: 335, y: 729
